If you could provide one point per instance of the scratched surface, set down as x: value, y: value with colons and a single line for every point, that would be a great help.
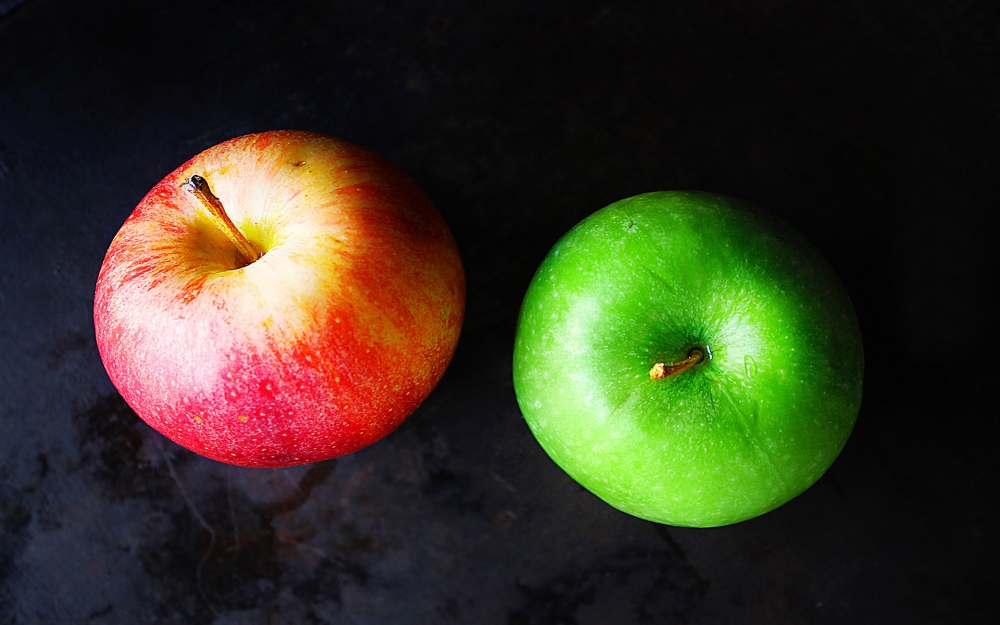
x: 871, y: 127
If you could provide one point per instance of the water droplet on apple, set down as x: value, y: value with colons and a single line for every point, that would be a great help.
x: 750, y: 365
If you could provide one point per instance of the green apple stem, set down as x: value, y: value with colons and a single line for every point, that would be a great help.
x: 661, y: 370
x: 199, y: 187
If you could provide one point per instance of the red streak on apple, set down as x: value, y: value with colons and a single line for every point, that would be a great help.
x: 323, y: 345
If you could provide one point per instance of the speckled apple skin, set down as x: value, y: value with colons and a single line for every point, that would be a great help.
x: 647, y: 279
x: 322, y: 346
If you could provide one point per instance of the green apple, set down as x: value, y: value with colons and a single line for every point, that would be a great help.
x: 688, y: 358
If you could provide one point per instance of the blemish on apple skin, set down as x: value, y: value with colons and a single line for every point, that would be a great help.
x: 242, y: 418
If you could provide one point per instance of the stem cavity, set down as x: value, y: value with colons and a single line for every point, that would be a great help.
x: 661, y: 370
x: 199, y: 187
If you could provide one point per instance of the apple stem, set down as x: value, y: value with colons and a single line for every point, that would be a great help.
x: 199, y: 187
x: 661, y: 370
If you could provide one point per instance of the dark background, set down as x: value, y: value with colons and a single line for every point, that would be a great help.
x: 872, y: 127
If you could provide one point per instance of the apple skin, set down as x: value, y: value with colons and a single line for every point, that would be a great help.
x: 323, y: 345
x: 648, y: 279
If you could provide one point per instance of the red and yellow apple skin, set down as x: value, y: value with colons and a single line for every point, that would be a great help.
x: 323, y: 345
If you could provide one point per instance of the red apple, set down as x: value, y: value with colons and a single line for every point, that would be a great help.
x: 281, y: 298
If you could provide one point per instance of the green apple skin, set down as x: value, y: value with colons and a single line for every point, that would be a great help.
x: 646, y: 280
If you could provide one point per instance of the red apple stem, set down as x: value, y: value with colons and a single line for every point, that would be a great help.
x: 199, y: 187
x: 661, y: 370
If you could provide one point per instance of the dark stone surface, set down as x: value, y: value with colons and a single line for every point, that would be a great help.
x: 870, y: 126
